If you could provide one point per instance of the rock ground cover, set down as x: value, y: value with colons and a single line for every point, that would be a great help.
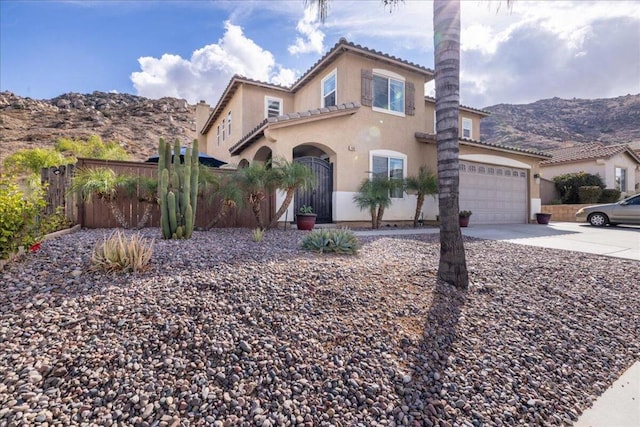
x: 226, y: 331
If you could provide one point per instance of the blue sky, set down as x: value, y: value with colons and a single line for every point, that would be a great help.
x: 190, y: 49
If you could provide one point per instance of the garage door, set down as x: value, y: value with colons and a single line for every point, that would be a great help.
x: 495, y: 194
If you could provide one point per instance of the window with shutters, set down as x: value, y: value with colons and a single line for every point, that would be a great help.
x: 272, y: 107
x: 388, y: 92
x: 329, y: 90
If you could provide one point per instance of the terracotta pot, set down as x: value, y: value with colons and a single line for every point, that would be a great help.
x: 543, y: 218
x: 464, y: 221
x: 305, y: 221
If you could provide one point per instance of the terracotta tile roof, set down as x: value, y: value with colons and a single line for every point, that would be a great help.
x: 590, y: 151
x: 463, y: 107
x: 343, y: 46
x: 318, y: 113
x: 431, y: 138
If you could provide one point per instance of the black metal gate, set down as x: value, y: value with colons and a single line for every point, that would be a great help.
x: 319, y: 197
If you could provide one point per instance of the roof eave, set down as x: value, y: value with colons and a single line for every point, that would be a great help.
x: 430, y: 138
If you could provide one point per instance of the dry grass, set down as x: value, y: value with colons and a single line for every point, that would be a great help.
x: 119, y: 252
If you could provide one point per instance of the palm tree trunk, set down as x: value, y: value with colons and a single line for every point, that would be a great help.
x: 224, y: 209
x: 283, y: 207
x: 379, y: 217
x: 117, y: 214
x: 374, y: 219
x: 146, y: 215
x: 419, y: 203
x: 446, y: 24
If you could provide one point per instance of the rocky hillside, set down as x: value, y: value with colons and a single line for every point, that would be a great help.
x: 133, y: 121
x: 554, y: 123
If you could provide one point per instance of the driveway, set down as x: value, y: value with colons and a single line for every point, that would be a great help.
x: 620, y: 242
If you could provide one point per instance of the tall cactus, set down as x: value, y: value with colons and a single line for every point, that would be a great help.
x: 178, y: 190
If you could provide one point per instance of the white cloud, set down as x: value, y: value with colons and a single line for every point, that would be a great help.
x: 207, y: 72
x: 308, y: 27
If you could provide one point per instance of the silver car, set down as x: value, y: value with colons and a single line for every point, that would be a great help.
x: 626, y: 211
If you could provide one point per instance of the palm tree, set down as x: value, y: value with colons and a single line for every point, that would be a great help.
x: 289, y: 177
x: 102, y: 183
x: 452, y: 268
x: 424, y: 184
x: 256, y: 181
x: 373, y: 195
x: 230, y: 195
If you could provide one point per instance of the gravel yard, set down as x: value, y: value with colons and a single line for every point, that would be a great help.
x: 224, y: 331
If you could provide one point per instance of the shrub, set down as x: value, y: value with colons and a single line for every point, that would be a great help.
x: 339, y: 240
x: 568, y: 185
x: 589, y: 194
x: 18, y: 216
x: 609, y: 195
x: 54, y: 222
x: 258, y: 234
x: 555, y: 202
x: 121, y: 253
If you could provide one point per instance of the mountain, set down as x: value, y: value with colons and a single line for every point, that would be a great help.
x: 133, y: 121
x: 555, y: 123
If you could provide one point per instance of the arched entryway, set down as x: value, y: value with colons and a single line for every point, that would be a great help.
x: 320, y: 197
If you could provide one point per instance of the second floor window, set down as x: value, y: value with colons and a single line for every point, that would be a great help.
x: 466, y: 128
x: 223, y: 128
x: 218, y: 135
x: 329, y: 90
x: 229, y: 124
x: 388, y: 93
x: 272, y: 107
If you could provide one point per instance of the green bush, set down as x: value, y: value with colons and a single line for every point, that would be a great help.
x: 54, y: 222
x: 337, y: 240
x: 18, y: 216
x: 589, y: 193
x: 568, y: 185
x: 609, y: 195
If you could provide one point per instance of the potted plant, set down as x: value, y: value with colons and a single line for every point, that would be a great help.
x: 464, y: 218
x: 543, y: 218
x: 305, y: 218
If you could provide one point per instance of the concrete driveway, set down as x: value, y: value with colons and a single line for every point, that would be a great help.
x: 620, y: 241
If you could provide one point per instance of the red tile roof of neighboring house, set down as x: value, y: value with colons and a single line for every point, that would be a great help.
x: 590, y: 151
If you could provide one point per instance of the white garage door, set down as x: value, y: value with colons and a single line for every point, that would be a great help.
x: 494, y: 194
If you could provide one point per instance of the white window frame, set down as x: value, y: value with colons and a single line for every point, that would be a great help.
x: 229, y: 124
x: 623, y: 184
x: 435, y: 123
x: 467, y: 124
x: 266, y: 105
x: 389, y: 154
x: 333, y: 74
x: 389, y: 75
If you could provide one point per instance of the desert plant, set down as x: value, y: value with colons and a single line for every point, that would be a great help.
x: 227, y: 191
x: 258, y: 234
x: 18, y: 216
x: 32, y: 160
x: 465, y: 214
x: 256, y: 181
x: 288, y: 177
x: 424, y: 184
x: 93, y: 148
x: 568, y: 185
x: 119, y: 252
x: 305, y: 209
x: 373, y: 195
x: 178, y: 190
x: 609, y: 195
x: 589, y: 194
x: 103, y: 183
x: 337, y: 240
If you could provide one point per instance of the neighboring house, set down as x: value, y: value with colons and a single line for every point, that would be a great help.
x: 358, y: 111
x: 618, y: 165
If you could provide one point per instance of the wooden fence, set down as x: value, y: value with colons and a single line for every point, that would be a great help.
x: 97, y: 213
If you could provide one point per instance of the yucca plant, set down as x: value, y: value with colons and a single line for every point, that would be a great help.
x: 119, y: 252
x: 258, y: 234
x: 337, y: 240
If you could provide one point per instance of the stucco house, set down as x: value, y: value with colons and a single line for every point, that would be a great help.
x: 618, y: 165
x: 358, y: 111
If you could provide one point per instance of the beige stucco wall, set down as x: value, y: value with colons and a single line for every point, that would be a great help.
x: 604, y: 168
